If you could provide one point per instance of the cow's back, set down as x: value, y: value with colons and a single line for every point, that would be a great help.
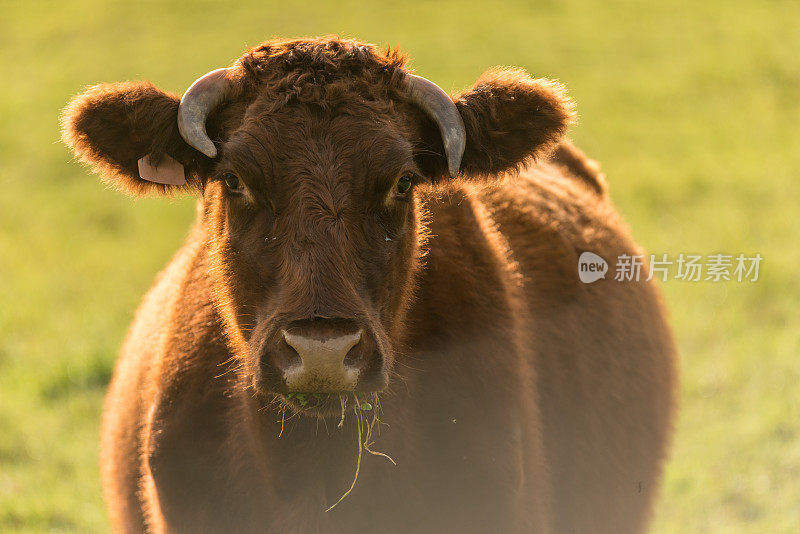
x: 602, y: 352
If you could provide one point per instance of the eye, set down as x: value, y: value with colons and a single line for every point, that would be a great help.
x: 232, y: 182
x: 404, y: 184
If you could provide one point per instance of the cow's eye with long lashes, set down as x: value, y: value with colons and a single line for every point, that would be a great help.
x: 404, y: 184
x: 232, y: 182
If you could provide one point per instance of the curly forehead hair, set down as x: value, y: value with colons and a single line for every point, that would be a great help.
x: 297, y: 65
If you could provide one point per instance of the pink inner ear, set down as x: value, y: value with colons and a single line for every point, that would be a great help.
x: 168, y: 171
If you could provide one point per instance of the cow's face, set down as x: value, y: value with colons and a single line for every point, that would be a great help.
x: 308, y: 155
x: 315, y: 242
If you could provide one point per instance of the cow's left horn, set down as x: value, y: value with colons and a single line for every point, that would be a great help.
x: 438, y: 106
x: 200, y: 99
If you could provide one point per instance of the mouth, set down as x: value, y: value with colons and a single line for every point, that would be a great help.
x: 326, y: 405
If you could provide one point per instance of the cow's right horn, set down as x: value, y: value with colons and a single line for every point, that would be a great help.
x: 438, y: 106
x: 200, y: 99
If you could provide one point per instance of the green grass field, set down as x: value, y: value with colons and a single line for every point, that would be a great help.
x: 691, y: 107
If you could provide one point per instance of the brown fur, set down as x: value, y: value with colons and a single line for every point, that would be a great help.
x: 518, y: 399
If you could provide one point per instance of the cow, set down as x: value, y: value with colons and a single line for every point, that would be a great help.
x: 376, y: 323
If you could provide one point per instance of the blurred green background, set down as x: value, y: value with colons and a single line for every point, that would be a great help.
x: 691, y: 107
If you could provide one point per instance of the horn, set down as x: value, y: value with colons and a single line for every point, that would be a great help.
x: 200, y: 99
x: 439, y: 107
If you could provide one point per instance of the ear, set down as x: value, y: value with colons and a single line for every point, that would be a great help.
x: 510, y: 118
x: 128, y: 132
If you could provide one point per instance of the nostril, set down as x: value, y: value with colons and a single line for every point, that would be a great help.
x: 287, y: 356
x: 278, y: 357
x: 355, y: 357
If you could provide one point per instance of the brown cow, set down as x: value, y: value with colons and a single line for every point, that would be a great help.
x: 339, y: 277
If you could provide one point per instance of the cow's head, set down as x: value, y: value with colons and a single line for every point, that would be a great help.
x: 307, y: 155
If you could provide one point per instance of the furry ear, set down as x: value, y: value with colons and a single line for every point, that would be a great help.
x: 128, y: 132
x: 510, y: 118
